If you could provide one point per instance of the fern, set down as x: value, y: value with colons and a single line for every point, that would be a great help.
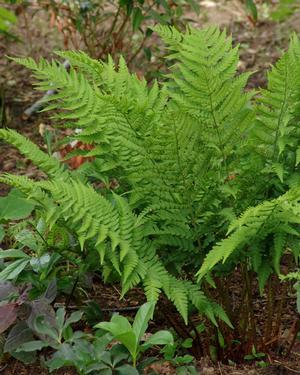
x: 52, y: 167
x: 190, y: 153
x: 203, y: 84
x: 271, y: 217
x: 113, y: 230
x: 275, y: 132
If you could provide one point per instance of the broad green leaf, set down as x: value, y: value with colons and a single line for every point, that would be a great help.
x: 13, y: 253
x: 39, y: 264
x: 60, y: 318
x: 118, y: 325
x: 140, y: 324
x: 41, y: 327
x: 25, y: 357
x: 74, y: 318
x: 15, y: 206
x: 126, y: 370
x: 250, y: 4
x: 137, y: 18
x: 187, y: 343
x: 14, y: 269
x: 128, y: 339
x: 31, y: 346
x: 160, y: 338
x: 29, y: 239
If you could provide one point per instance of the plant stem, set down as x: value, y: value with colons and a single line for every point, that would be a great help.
x: 72, y: 291
x: 270, y: 298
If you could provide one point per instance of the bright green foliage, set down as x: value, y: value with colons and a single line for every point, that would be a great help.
x: 277, y: 217
x: 7, y: 18
x: 191, y: 154
x: 51, y: 166
x: 267, y: 230
x: 275, y: 131
x: 284, y: 9
x: 131, y: 336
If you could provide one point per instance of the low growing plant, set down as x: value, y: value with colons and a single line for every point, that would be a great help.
x: 131, y: 336
x: 17, y: 309
x: 207, y: 171
x: 90, y: 353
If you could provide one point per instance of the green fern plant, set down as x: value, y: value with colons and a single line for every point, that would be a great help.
x: 191, y: 154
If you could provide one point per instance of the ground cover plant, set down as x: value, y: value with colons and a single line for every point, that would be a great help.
x: 207, y: 182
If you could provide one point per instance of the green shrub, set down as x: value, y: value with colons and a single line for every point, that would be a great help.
x: 207, y: 171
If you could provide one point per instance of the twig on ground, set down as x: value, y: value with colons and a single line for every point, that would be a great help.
x: 286, y: 367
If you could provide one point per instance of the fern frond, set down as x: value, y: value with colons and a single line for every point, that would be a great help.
x: 256, y: 223
x: 169, y: 34
x: 91, y: 68
x: 277, y: 104
x: 51, y: 166
x: 203, y: 84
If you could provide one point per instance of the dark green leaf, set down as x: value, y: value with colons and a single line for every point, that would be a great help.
x: 137, y: 18
x: 252, y: 9
x: 32, y: 346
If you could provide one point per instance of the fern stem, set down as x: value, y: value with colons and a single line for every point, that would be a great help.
x: 296, y: 331
x: 279, y: 311
x: 270, y: 307
x: 198, y: 348
x: 72, y: 291
x: 250, y: 309
x: 225, y: 298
